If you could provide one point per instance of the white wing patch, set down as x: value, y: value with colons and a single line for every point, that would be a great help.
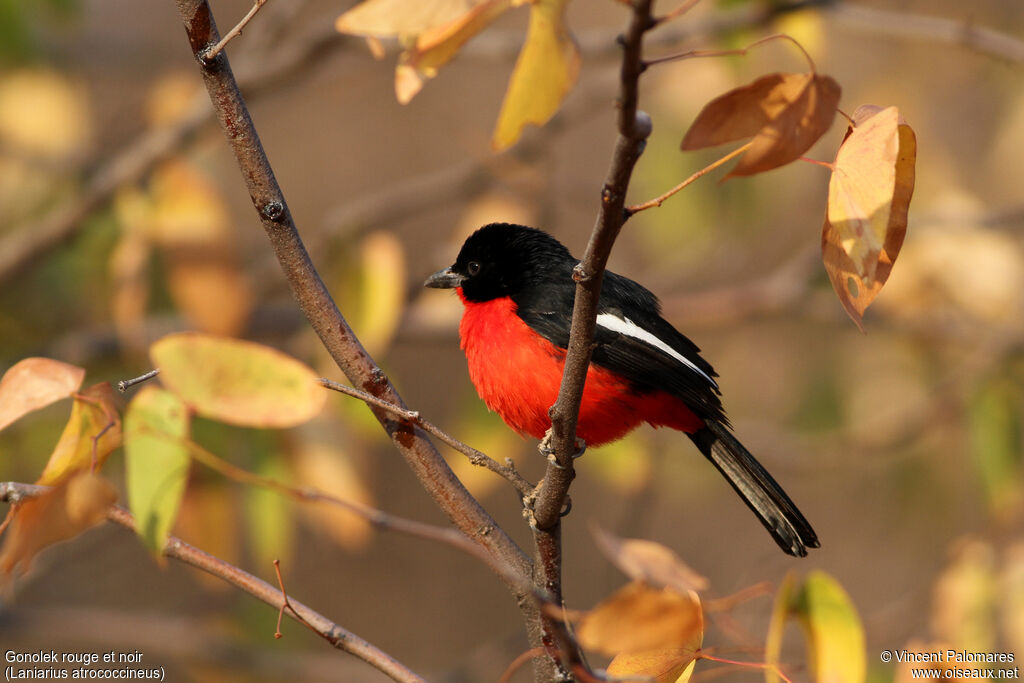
x: 627, y: 327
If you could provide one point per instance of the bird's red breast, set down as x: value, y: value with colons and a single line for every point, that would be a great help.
x: 517, y: 373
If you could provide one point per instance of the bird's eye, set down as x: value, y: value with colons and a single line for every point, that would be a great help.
x: 473, y: 267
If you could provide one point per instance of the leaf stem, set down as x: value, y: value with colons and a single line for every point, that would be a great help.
x: 658, y: 201
x: 742, y: 51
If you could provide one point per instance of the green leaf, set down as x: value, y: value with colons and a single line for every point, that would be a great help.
x: 238, y: 382
x: 156, y: 459
x: 995, y: 431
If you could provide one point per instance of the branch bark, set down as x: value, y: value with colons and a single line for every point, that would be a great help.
x: 316, y: 303
x: 634, y: 127
x: 177, y: 549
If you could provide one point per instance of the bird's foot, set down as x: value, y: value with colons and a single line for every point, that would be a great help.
x: 548, y: 451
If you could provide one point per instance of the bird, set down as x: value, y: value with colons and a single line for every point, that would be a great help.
x: 517, y: 288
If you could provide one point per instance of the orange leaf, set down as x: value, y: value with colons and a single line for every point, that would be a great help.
x: 34, y: 383
x: 785, y: 113
x: 92, y: 432
x: 869, y: 199
x: 210, y: 289
x: 638, y: 618
x: 71, y: 507
x: 648, y: 561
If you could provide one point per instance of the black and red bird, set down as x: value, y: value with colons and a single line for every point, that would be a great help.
x: 517, y: 287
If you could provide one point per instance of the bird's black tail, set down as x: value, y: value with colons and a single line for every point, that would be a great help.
x: 758, y: 489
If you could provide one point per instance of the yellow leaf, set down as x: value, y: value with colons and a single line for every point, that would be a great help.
x: 42, y: 114
x: 330, y: 470
x: 673, y: 665
x: 92, y: 432
x: 156, y: 463
x: 33, y: 383
x: 372, y: 291
x: 868, y: 201
x: 832, y: 629
x: 965, y: 598
x: 436, y: 46
x: 544, y: 73
x: 238, y: 382
x: 76, y: 504
x: 171, y: 98
x: 400, y: 18
x: 638, y: 619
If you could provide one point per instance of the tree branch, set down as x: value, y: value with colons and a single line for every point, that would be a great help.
x: 478, y: 458
x: 14, y: 492
x: 633, y: 128
x: 233, y: 33
x: 316, y: 303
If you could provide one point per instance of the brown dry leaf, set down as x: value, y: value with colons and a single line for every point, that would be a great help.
x: 545, y: 72
x: 437, y: 45
x: 868, y: 201
x: 76, y: 504
x: 92, y: 432
x: 647, y: 561
x: 638, y: 618
x: 330, y: 470
x: 33, y: 383
x: 785, y: 113
x: 674, y: 665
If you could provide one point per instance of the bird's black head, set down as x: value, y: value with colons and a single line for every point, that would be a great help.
x: 501, y: 259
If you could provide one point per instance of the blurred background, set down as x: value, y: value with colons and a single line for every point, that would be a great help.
x: 124, y: 218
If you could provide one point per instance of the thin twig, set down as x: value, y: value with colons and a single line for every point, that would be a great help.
x: 677, y: 12
x: 476, y: 457
x: 658, y: 201
x: 378, y: 518
x: 212, y: 53
x: 740, y: 52
x: 982, y: 39
x: 126, y: 384
x: 14, y: 492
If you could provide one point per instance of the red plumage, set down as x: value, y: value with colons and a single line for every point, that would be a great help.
x: 517, y: 373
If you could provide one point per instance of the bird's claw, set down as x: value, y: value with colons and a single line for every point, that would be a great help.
x: 548, y: 450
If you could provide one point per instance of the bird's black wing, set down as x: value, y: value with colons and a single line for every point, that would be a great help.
x: 631, y: 340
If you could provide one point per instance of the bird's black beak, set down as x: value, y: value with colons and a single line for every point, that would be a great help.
x: 445, y: 279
